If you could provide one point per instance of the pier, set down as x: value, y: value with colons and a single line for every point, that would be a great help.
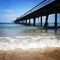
x: 45, y: 8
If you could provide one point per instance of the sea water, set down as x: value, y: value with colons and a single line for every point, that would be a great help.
x: 14, y: 36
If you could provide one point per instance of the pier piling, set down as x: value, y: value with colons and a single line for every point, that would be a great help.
x: 41, y: 20
x: 26, y: 22
x: 46, y: 21
x: 29, y: 21
x: 55, y: 20
x: 34, y: 21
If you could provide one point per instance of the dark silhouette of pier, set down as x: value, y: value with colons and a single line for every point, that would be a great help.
x: 45, y: 8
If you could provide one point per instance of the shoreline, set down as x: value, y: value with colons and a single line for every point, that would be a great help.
x: 49, y: 53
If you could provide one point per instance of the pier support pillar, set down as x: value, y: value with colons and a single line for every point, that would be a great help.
x: 46, y: 22
x: 34, y: 22
x: 29, y: 21
x: 41, y: 20
x: 55, y: 20
x: 38, y: 21
x: 26, y: 21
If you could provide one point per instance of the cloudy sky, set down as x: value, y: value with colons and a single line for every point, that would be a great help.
x: 11, y: 9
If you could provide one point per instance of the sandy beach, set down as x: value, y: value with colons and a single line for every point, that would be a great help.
x: 31, y: 54
x: 36, y: 45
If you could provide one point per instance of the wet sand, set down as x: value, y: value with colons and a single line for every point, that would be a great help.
x: 31, y: 54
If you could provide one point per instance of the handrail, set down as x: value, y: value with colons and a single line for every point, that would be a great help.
x: 40, y: 5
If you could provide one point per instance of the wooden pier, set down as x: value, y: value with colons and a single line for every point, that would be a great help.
x: 45, y: 8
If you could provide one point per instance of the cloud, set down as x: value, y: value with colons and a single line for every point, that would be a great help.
x: 7, y: 11
x: 8, y: 17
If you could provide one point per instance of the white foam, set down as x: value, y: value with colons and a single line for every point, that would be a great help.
x: 27, y: 42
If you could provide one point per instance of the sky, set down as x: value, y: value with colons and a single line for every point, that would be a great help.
x: 11, y: 9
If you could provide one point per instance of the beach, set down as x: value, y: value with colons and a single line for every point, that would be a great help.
x: 29, y: 30
x: 18, y: 42
x: 30, y: 47
x: 31, y: 54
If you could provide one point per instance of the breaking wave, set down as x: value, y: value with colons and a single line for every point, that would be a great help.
x: 27, y: 42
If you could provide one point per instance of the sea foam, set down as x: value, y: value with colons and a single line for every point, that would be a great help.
x: 27, y: 42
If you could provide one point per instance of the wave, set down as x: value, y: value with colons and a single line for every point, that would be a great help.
x: 27, y: 42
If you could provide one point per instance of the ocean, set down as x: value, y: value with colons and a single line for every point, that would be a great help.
x: 14, y: 36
